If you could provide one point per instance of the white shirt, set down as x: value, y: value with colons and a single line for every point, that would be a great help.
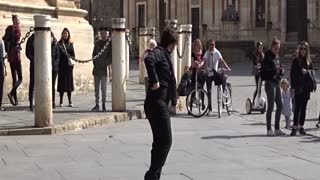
x: 212, y: 59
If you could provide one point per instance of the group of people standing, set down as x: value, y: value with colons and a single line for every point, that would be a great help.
x: 60, y: 66
x: 301, y: 80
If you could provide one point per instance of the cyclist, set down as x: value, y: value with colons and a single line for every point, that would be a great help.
x: 212, y: 59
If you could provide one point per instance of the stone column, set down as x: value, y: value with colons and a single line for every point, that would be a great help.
x: 42, y: 71
x: 118, y: 65
x: 142, y: 48
x: 179, y: 55
x: 127, y: 55
x: 186, y: 37
x: 174, y: 56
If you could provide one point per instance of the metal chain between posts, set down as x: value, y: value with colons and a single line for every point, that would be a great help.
x: 31, y: 29
x: 88, y: 60
x: 184, y: 47
x: 131, y: 48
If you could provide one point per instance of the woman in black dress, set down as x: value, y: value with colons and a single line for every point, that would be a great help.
x: 65, y: 74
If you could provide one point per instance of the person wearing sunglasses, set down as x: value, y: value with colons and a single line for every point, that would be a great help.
x: 299, y: 79
x: 212, y: 59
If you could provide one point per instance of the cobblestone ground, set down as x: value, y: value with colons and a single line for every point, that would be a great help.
x: 232, y: 147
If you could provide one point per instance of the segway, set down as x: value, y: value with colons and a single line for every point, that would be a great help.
x: 260, y: 102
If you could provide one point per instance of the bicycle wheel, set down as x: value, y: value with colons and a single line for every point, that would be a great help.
x: 197, y: 102
x: 228, y: 99
x: 219, y: 99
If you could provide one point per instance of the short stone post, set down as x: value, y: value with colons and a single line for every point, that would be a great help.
x: 118, y: 64
x: 127, y: 55
x: 185, y: 48
x: 174, y: 56
x: 142, y: 48
x: 42, y: 71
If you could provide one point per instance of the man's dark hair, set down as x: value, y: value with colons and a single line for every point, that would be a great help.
x: 168, y: 37
x: 14, y: 16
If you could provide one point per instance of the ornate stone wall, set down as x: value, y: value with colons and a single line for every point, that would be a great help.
x: 64, y: 14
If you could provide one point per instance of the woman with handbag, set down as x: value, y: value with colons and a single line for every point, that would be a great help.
x: 301, y: 86
x: 66, y: 64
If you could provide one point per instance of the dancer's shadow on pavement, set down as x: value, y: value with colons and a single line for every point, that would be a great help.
x: 311, y: 139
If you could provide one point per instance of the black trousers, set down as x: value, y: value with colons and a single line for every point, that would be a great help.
x: 31, y: 84
x: 1, y: 82
x: 209, y: 88
x: 54, y: 79
x: 16, y: 73
x: 256, y: 80
x: 274, y: 96
x: 157, y: 112
x: 299, y: 116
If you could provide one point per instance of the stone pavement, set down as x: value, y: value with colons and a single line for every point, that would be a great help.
x: 232, y: 147
x: 77, y: 117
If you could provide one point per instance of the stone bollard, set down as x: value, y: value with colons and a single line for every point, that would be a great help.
x: 42, y: 71
x: 142, y: 48
x: 185, y: 48
x: 174, y: 56
x: 118, y: 64
x: 127, y: 56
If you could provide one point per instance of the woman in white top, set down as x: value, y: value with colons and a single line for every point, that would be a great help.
x: 212, y: 58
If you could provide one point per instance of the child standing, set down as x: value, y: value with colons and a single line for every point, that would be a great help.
x: 286, y: 102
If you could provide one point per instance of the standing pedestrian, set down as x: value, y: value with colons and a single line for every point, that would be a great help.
x: 212, y: 60
x: 55, y: 64
x: 2, y: 73
x: 162, y: 89
x: 257, y: 59
x: 65, y: 74
x: 151, y: 45
x: 30, y: 56
x: 12, y: 47
x: 286, y: 101
x: 271, y: 72
x: 299, y: 75
x: 100, y: 69
x: 55, y: 55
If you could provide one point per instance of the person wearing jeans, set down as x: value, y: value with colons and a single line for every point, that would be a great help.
x: 298, y: 75
x: 11, y: 40
x: 271, y: 72
x: 100, y: 69
x: 162, y: 89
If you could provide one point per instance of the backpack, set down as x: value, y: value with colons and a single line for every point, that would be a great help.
x: 184, y: 86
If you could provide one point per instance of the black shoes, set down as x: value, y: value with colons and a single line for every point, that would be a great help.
x: 103, y: 107
x: 301, y: 132
x: 11, y: 99
x: 95, y: 108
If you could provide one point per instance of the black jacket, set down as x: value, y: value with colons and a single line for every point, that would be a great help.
x: 268, y: 68
x: 296, y: 77
x: 159, y: 68
x: 54, y: 53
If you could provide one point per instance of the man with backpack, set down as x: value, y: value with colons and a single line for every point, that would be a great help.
x: 11, y: 40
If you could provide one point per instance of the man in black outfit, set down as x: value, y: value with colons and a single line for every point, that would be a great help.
x: 55, y: 66
x: 162, y: 89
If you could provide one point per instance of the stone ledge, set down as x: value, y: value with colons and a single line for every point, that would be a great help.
x: 73, y: 125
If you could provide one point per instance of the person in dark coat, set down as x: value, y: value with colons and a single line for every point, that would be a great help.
x: 298, y: 75
x: 65, y: 74
x: 271, y: 71
x: 162, y: 89
x: 55, y: 63
x: 2, y: 73
x: 11, y: 40
x: 257, y: 58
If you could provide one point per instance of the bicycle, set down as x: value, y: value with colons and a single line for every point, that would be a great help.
x: 197, y: 100
x: 224, y: 94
